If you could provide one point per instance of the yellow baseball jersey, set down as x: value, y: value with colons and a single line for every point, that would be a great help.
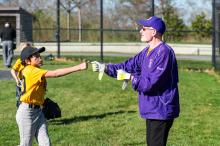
x: 18, y: 67
x: 33, y: 85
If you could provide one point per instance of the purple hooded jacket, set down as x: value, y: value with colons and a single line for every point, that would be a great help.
x: 155, y: 80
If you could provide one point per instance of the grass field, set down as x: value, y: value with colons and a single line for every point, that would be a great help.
x: 99, y: 113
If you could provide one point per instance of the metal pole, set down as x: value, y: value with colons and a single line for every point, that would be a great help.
x: 101, y: 29
x: 79, y: 20
x: 213, y: 35
x: 68, y: 21
x: 58, y: 29
x: 152, y: 7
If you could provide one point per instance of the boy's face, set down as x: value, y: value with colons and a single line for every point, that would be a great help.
x: 36, y: 60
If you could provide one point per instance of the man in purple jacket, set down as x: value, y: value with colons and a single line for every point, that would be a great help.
x: 154, y: 75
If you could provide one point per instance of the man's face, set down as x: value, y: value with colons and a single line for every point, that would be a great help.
x: 147, y: 33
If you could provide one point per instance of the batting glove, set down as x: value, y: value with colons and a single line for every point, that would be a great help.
x: 98, y: 67
x: 123, y: 75
x: 124, y: 85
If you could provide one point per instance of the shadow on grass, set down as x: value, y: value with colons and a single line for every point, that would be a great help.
x: 85, y: 118
x: 135, y: 143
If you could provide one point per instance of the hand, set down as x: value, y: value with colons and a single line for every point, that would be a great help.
x: 123, y: 75
x: 83, y: 66
x: 97, y: 66
x: 18, y: 82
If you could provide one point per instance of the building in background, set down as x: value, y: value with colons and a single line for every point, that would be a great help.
x: 19, y: 19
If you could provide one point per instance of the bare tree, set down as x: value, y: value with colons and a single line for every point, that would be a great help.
x: 72, y: 5
x: 126, y: 12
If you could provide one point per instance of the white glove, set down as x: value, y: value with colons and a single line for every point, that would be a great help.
x: 123, y: 75
x: 124, y: 85
x: 98, y: 67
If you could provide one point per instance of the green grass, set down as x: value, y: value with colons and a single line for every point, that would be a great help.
x: 99, y: 113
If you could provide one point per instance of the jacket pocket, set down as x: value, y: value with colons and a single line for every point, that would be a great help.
x: 167, y: 98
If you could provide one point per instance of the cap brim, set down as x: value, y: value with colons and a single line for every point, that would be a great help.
x: 143, y: 23
x: 40, y: 50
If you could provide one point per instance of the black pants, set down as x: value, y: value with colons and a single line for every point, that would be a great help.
x: 18, y: 95
x: 157, y: 132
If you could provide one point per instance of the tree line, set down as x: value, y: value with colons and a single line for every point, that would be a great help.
x: 80, y: 20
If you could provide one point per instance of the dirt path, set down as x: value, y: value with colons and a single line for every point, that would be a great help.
x: 5, y: 75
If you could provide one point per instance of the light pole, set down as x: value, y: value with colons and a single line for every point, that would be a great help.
x: 152, y: 8
x: 58, y: 29
x: 213, y: 35
x: 101, y: 29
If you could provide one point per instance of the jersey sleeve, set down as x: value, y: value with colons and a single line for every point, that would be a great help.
x: 132, y: 65
x: 17, y: 65
x: 37, y: 75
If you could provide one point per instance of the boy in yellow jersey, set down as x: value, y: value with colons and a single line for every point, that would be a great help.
x: 30, y: 118
x: 16, y: 73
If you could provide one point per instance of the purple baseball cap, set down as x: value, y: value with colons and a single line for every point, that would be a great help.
x: 155, y: 22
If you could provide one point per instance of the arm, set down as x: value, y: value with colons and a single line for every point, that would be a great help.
x: 1, y: 33
x: 132, y: 65
x: 14, y: 34
x: 14, y: 75
x: 65, y: 71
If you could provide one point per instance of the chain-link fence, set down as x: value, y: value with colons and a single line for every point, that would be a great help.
x: 110, y: 35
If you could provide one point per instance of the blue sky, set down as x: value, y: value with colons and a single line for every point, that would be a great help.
x: 188, y: 9
x: 191, y: 8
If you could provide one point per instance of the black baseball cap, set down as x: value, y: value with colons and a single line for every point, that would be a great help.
x: 28, y: 51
